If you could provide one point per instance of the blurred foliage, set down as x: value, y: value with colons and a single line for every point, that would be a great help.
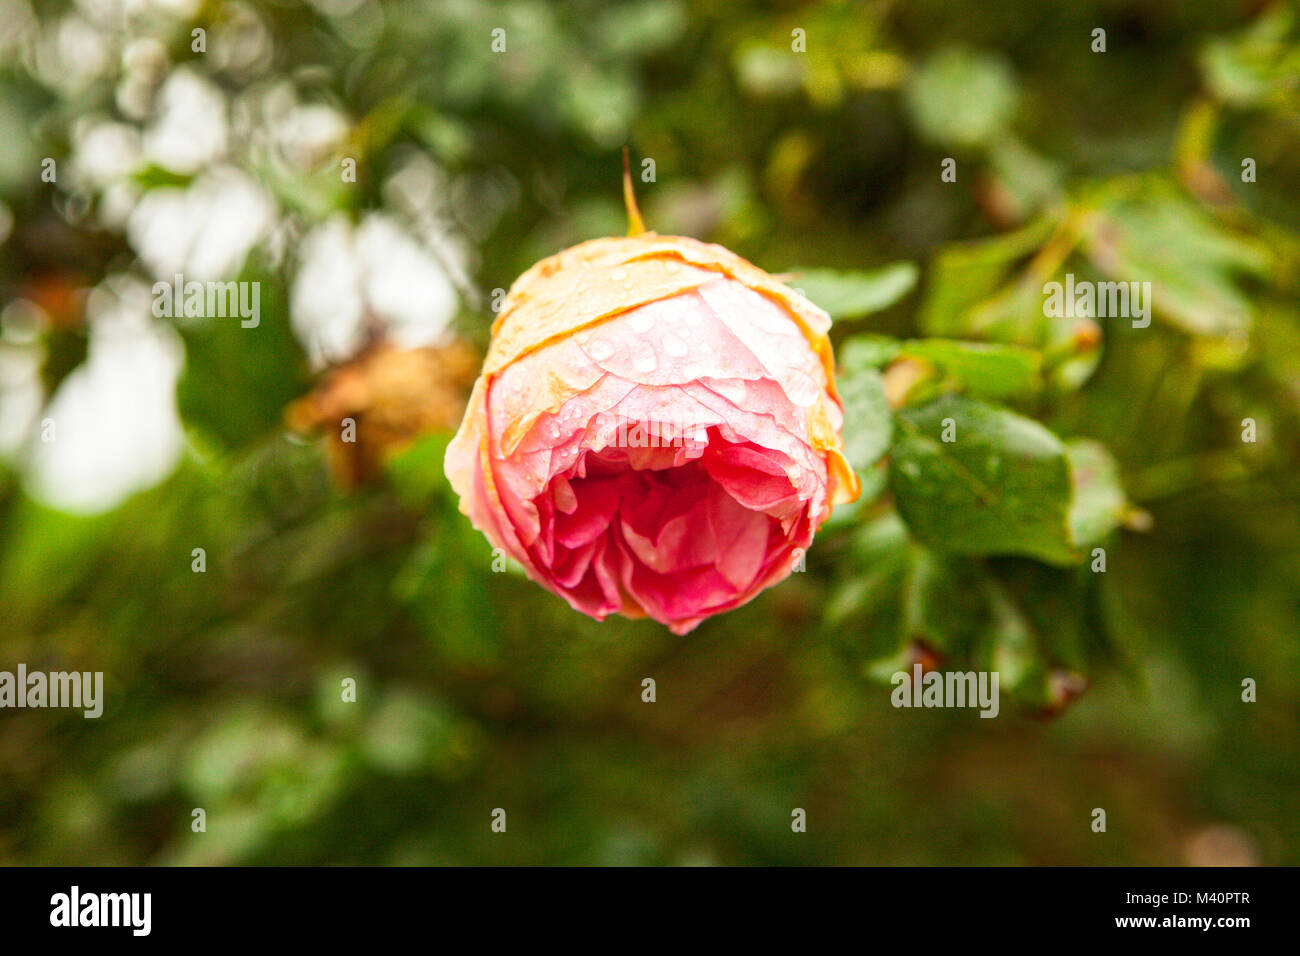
x: 476, y: 689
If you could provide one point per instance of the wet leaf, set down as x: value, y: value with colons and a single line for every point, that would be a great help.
x: 982, y: 370
x: 1001, y: 486
x: 868, y: 420
x: 851, y: 295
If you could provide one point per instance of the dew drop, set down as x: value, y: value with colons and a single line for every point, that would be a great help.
x: 641, y: 321
x: 802, y: 389
x: 733, y: 390
x: 644, y: 360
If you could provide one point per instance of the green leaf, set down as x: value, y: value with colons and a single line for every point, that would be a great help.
x: 1012, y: 647
x: 940, y: 611
x: 1029, y: 181
x: 1258, y: 64
x: 1001, y: 486
x: 1146, y: 230
x: 964, y: 274
x: 867, y: 351
x: 962, y: 97
x: 879, y: 548
x: 1099, y: 500
x: 868, y: 419
x: 982, y: 370
x: 851, y: 295
x: 941, y: 601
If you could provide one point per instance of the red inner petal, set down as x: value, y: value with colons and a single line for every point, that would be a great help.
x: 682, y: 542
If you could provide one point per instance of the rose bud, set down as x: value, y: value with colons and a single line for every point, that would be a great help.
x: 655, y: 431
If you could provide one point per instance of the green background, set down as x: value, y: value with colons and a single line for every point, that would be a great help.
x: 478, y: 690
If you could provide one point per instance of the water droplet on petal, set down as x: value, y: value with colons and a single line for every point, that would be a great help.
x: 733, y: 390
x: 802, y: 389
x: 675, y: 346
x: 641, y: 321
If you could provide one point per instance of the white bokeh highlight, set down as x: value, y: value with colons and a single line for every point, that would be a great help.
x: 374, y: 272
x: 117, y: 429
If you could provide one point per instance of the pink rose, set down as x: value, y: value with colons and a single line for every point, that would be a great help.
x: 656, y: 430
